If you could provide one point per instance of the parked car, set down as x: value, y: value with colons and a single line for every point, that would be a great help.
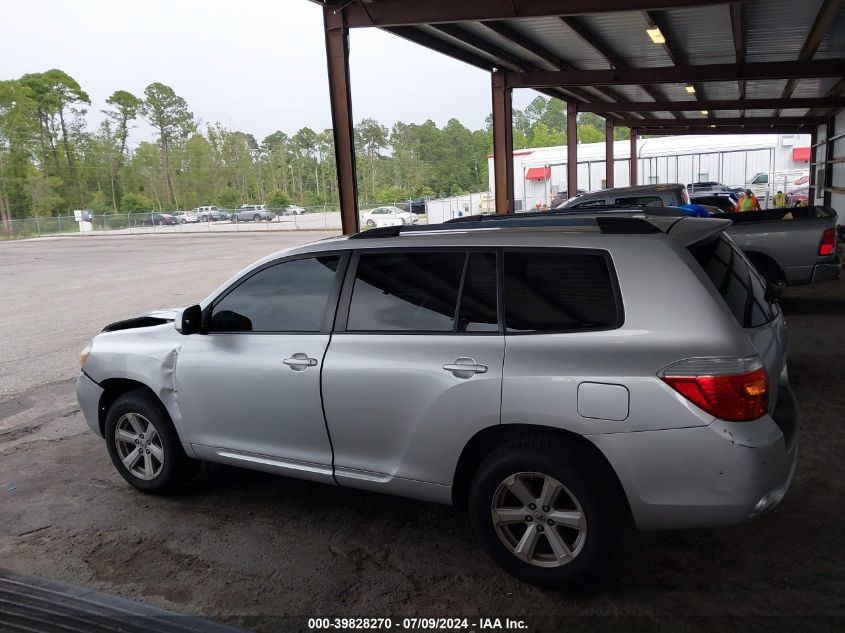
x: 387, y: 216
x: 722, y: 200
x: 292, y: 209
x: 185, y: 217
x: 798, y: 197
x: 210, y: 214
x: 706, y: 187
x: 252, y: 212
x: 378, y: 362
x: 793, y: 248
x: 159, y: 219
x: 418, y: 206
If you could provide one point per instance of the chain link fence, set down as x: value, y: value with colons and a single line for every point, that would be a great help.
x: 313, y: 218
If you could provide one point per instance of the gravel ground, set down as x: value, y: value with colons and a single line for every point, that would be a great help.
x: 249, y: 548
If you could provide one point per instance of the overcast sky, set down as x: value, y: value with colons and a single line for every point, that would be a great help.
x: 254, y: 65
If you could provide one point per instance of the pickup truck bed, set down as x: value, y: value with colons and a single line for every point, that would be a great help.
x: 785, y: 244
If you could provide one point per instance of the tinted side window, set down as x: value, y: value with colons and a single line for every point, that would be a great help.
x: 739, y: 285
x: 641, y: 201
x: 478, y: 311
x: 556, y: 290
x: 590, y: 204
x: 406, y: 292
x: 287, y: 297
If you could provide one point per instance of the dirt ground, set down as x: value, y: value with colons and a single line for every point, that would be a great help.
x: 248, y: 548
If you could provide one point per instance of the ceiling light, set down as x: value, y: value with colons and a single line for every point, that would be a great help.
x: 655, y: 35
x: 705, y: 112
x: 712, y: 126
x: 690, y: 89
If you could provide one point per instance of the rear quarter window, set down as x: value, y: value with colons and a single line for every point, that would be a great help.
x: 559, y: 291
x: 739, y: 284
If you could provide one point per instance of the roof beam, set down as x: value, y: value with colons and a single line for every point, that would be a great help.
x: 680, y: 74
x: 517, y: 38
x: 461, y: 34
x: 605, y: 50
x: 748, y: 129
x: 383, y: 13
x: 824, y: 18
x: 739, y: 44
x: 440, y: 45
x: 727, y: 122
x: 712, y: 104
x: 653, y: 18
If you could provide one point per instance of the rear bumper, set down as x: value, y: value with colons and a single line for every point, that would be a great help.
x: 723, y: 473
x: 88, y: 394
x: 826, y: 272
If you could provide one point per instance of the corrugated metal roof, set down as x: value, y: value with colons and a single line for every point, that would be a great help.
x: 710, y: 45
x: 553, y: 35
x: 764, y: 89
x: 624, y: 32
x: 478, y: 29
x: 833, y: 45
x: 777, y: 29
x: 773, y: 31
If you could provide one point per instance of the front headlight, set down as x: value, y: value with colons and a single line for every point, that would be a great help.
x: 83, y: 355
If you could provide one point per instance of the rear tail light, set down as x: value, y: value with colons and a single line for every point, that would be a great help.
x: 733, y: 389
x: 828, y: 244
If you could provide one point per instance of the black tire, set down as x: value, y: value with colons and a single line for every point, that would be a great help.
x: 235, y: 218
x: 770, y: 272
x: 256, y: 218
x: 177, y: 468
x: 371, y: 223
x: 585, y: 477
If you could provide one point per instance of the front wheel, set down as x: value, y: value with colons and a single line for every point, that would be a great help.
x: 371, y: 223
x: 143, y: 444
x: 543, y: 509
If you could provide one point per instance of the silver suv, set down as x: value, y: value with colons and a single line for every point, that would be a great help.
x: 554, y: 376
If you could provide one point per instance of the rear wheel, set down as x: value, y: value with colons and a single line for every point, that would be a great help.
x: 543, y: 509
x: 235, y: 217
x: 143, y: 444
x: 256, y: 218
x: 371, y: 223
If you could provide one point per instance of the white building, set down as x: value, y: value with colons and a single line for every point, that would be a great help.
x: 730, y: 159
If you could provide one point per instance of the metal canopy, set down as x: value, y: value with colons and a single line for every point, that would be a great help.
x: 723, y: 66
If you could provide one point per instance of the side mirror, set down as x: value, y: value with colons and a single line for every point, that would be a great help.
x: 189, y: 320
x: 773, y: 292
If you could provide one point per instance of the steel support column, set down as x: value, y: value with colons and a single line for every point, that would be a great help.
x: 502, y: 143
x: 828, y: 157
x: 340, y: 96
x: 634, y: 159
x: 811, y: 193
x: 571, y: 149
x: 608, y: 153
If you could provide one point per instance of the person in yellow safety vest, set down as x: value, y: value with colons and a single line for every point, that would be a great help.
x: 780, y: 199
x: 749, y: 202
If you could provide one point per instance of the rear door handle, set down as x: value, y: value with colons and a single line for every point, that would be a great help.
x: 465, y: 367
x: 300, y: 362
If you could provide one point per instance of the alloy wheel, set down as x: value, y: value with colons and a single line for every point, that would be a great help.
x: 538, y: 519
x: 139, y: 446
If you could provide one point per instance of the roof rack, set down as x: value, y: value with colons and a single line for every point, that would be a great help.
x: 611, y: 225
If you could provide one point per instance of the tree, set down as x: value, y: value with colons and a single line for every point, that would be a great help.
x: 16, y: 126
x: 277, y: 199
x: 124, y: 110
x: 135, y: 202
x: 168, y: 113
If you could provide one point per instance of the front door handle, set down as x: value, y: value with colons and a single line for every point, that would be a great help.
x: 300, y: 362
x: 465, y: 367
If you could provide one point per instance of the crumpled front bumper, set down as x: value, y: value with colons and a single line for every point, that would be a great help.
x: 88, y: 394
